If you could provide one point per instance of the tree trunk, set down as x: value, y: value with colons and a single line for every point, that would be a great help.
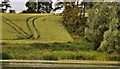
x: 85, y: 32
x: 84, y: 10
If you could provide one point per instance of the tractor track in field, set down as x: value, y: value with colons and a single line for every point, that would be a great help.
x: 24, y: 36
x: 19, y: 37
x: 17, y: 27
x: 36, y: 28
x: 32, y: 20
x: 27, y: 23
x: 13, y: 28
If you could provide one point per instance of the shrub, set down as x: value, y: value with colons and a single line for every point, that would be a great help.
x: 49, y: 57
x: 5, y: 56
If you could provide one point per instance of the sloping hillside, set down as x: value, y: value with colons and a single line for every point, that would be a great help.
x: 33, y: 28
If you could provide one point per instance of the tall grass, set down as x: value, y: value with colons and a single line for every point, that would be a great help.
x: 55, y: 51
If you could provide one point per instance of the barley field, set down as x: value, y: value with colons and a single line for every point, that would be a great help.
x: 33, y: 28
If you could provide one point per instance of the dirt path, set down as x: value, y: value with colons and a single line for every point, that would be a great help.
x: 65, y: 61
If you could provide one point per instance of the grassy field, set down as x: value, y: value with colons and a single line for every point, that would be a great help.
x: 43, y: 37
x: 33, y: 28
x: 56, y: 51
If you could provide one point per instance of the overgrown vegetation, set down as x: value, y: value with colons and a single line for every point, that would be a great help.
x: 56, y: 51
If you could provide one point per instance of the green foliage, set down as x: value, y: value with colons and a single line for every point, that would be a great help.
x: 31, y: 52
x: 12, y: 11
x: 5, y: 56
x: 72, y: 46
x: 32, y: 7
x: 6, y: 4
x: 49, y: 57
x: 96, y: 25
x: 111, y: 40
x: 71, y: 19
x: 74, y: 15
x: 103, y: 27
x: 44, y: 7
x: 38, y: 7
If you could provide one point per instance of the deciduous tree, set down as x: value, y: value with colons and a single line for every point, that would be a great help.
x: 111, y: 41
x: 5, y: 5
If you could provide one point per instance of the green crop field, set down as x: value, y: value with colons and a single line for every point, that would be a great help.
x: 33, y: 28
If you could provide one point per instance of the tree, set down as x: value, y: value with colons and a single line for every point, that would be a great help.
x: 97, y: 23
x: 103, y: 27
x: 74, y: 15
x: 32, y: 7
x: 11, y: 11
x: 5, y: 5
x: 38, y: 7
x: 83, y: 7
x: 71, y: 17
x: 111, y: 44
x: 44, y: 7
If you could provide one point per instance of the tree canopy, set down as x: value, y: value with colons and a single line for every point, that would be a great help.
x: 5, y: 5
x: 103, y: 27
x: 38, y: 7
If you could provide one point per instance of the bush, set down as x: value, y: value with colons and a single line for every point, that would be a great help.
x: 5, y: 56
x: 49, y: 57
